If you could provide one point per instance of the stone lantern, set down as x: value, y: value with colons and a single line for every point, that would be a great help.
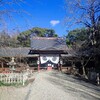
x: 12, y: 64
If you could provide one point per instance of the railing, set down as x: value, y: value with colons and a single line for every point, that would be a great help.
x: 11, y: 78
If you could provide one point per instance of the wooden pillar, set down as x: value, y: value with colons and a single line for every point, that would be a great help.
x: 2, y: 65
x: 38, y: 62
x: 61, y: 67
x: 61, y: 62
x: 58, y: 66
x: 38, y: 67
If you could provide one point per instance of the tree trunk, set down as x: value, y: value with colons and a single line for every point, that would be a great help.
x: 84, y: 73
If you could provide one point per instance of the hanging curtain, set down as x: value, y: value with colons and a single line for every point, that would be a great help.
x: 52, y: 58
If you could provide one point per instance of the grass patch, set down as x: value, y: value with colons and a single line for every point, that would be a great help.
x: 10, y: 84
x: 17, y: 84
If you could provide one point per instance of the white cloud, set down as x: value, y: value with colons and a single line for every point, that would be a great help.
x: 54, y: 22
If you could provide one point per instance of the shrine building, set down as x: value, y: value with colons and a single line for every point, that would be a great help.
x: 46, y: 52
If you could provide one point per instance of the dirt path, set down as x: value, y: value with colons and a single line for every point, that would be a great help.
x: 42, y: 89
x: 53, y: 86
x: 58, y: 86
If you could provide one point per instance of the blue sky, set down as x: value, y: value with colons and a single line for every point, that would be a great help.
x: 49, y: 14
x: 36, y: 13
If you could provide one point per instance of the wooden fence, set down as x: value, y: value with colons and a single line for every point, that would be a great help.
x: 11, y: 78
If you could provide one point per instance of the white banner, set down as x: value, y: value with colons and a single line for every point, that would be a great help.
x: 43, y: 59
x: 53, y: 58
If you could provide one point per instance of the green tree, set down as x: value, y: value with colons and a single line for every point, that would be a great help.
x: 50, y: 33
x: 24, y: 37
x: 77, y: 36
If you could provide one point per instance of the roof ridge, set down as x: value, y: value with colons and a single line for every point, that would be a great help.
x: 47, y: 38
x: 15, y: 47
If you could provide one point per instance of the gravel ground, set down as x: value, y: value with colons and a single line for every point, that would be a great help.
x: 52, y: 86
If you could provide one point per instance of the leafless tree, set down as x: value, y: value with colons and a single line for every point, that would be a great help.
x: 84, y: 12
x: 87, y: 14
x: 8, y: 14
x: 9, y: 9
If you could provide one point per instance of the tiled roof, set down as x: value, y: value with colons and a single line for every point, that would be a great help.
x: 37, y: 44
x: 14, y: 52
x: 48, y: 43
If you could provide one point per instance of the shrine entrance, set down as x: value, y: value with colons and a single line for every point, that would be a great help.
x: 49, y: 61
x: 49, y: 50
